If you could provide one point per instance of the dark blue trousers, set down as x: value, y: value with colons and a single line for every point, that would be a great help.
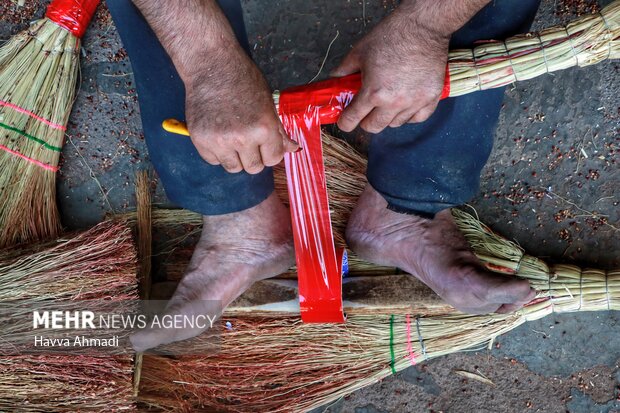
x: 418, y: 168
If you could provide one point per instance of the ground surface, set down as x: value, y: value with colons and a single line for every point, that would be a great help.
x: 552, y: 184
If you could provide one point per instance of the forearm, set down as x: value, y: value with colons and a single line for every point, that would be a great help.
x: 445, y: 16
x: 193, y: 32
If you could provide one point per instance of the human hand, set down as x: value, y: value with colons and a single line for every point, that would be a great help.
x: 403, y: 62
x: 231, y: 115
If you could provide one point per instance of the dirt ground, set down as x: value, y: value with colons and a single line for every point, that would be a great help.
x: 552, y: 184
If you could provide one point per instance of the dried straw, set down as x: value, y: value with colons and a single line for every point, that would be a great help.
x: 38, y: 74
x: 96, y: 264
x: 144, y: 229
x: 145, y: 253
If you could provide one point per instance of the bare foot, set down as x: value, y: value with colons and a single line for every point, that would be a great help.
x: 234, y: 251
x: 436, y: 252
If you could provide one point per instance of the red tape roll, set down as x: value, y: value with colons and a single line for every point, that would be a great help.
x: 72, y: 15
x: 303, y: 110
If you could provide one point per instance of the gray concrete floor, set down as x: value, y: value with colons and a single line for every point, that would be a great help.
x: 552, y: 184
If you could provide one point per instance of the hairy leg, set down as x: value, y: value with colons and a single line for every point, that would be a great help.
x: 436, y: 252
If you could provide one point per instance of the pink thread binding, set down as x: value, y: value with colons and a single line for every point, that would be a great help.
x: 409, y: 348
x: 32, y: 115
x: 34, y: 161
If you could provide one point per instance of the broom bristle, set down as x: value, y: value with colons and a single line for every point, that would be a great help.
x: 38, y: 74
x: 96, y: 264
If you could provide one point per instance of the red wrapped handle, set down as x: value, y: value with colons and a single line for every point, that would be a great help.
x: 332, y: 95
x: 72, y: 15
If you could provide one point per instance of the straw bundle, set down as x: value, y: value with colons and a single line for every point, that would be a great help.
x: 38, y: 74
x: 586, y: 41
x: 96, y: 264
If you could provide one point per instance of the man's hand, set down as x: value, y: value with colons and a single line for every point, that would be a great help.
x: 231, y: 114
x: 229, y: 109
x: 403, y: 64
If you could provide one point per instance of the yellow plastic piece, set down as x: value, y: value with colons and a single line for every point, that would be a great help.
x: 175, y: 126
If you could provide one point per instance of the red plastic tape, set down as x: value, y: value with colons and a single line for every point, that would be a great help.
x: 331, y: 96
x: 445, y: 93
x: 303, y: 110
x: 319, y: 265
x: 73, y: 15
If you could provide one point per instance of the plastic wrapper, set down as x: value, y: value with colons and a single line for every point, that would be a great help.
x: 72, y: 15
x: 330, y: 96
x: 319, y: 264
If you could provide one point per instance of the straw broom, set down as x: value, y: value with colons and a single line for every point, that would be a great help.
x: 38, y: 74
x: 93, y: 265
x: 279, y: 364
x: 586, y: 41
x: 270, y: 361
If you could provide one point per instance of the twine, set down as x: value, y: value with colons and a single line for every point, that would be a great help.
x: 392, y: 357
x: 551, y: 294
x: 34, y: 115
x: 409, y: 347
x: 518, y: 268
x: 31, y: 137
x: 580, y: 288
x: 607, y: 291
x: 570, y: 42
x: 33, y: 161
x: 609, y: 31
x: 473, y: 55
x: 542, y: 49
x: 417, y: 321
x: 514, y: 71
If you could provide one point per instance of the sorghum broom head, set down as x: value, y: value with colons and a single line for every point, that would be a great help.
x: 280, y: 364
x: 38, y: 74
x: 93, y: 265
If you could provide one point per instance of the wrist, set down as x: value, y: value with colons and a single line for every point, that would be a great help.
x: 441, y: 16
x: 210, y: 62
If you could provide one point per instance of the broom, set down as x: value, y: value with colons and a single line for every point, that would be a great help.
x: 99, y: 264
x: 276, y: 363
x: 270, y: 361
x: 38, y: 74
